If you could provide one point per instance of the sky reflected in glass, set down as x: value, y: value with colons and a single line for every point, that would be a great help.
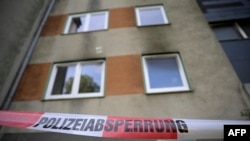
x: 97, y: 22
x: 151, y: 16
x: 163, y: 72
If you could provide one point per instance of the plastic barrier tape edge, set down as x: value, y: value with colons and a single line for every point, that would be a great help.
x: 118, y: 126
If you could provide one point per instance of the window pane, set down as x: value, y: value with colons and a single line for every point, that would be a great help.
x: 163, y: 72
x: 227, y: 32
x: 97, y: 22
x: 151, y: 16
x: 90, y: 78
x: 64, y: 80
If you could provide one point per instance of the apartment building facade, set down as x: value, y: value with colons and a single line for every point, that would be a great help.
x: 138, y: 58
x: 230, y: 20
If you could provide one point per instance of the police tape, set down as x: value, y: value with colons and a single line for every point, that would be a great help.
x: 117, y: 126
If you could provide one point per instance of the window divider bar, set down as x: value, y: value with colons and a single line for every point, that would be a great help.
x: 76, y: 81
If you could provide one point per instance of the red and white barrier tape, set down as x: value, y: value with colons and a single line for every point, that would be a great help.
x: 118, y: 127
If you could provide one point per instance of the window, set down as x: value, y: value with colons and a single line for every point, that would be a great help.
x: 235, y: 39
x: 226, y: 32
x: 151, y: 15
x: 233, y: 31
x: 87, y: 22
x: 164, y: 73
x: 76, y: 80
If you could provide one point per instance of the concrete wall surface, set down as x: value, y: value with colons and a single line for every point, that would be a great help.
x: 215, y: 88
x: 19, y: 21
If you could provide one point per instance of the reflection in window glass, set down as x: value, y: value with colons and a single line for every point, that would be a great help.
x: 64, y: 80
x: 76, y: 80
x: 163, y: 72
x: 151, y: 16
x: 90, y: 78
x: 226, y: 32
x: 97, y: 22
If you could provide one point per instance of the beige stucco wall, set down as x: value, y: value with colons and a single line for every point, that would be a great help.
x: 216, y: 91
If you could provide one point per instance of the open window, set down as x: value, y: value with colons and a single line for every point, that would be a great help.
x: 87, y: 22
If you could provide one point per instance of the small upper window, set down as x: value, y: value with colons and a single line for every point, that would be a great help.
x: 164, y: 73
x: 76, y: 80
x: 232, y: 31
x: 151, y: 15
x: 226, y: 32
x: 86, y: 22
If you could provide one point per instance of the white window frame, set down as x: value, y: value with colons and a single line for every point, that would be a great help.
x: 75, y: 86
x: 86, y: 24
x: 161, y: 7
x: 184, y: 80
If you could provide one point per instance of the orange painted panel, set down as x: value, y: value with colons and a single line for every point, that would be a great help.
x: 124, y: 75
x: 122, y: 17
x: 33, y: 82
x: 54, y: 25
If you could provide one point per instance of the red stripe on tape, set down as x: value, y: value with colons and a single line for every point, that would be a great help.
x: 18, y: 118
x: 140, y: 128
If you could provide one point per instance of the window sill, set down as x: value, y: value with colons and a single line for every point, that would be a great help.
x: 63, y: 34
x: 155, y: 25
x: 70, y: 98
x: 172, y: 92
